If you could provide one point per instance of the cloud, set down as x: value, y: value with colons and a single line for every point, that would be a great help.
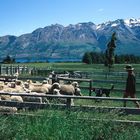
x: 100, y: 10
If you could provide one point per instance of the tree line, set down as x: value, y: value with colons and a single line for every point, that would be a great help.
x: 8, y: 60
x: 100, y: 58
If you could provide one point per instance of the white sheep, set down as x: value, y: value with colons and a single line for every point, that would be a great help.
x: 55, y: 86
x: 16, y: 98
x: 39, y: 88
x: 12, y: 87
x: 35, y: 99
x: 69, y: 89
x: 8, y: 109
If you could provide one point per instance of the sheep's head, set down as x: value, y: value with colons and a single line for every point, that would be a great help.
x: 18, y: 82
x: 78, y: 92
x: 75, y: 84
x: 13, y: 85
x: 56, y: 86
x: 45, y: 82
x: 56, y: 92
x: 26, y: 85
x: 1, y: 87
x: 29, y: 81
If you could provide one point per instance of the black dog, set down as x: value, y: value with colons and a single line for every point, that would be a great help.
x: 103, y: 91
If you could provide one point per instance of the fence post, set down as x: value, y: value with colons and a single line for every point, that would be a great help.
x: 90, y: 87
x: 7, y: 69
x: 68, y: 104
x: 10, y: 69
x: 0, y: 69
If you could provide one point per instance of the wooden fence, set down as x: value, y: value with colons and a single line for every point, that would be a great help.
x: 23, y: 70
x: 34, y: 71
x: 12, y: 69
x: 90, y: 81
x: 33, y: 105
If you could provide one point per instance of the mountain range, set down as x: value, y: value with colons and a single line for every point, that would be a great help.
x: 72, y: 41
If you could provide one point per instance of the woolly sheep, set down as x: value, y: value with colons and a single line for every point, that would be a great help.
x: 68, y: 89
x: 36, y: 88
x: 8, y: 109
x: 16, y: 98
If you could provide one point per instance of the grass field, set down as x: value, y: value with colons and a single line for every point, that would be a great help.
x: 55, y: 125
x: 65, y: 125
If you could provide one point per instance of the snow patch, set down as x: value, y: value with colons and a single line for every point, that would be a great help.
x: 114, y: 25
x: 132, y: 22
x: 99, y: 26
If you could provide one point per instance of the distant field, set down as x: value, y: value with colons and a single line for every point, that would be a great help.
x: 79, y: 66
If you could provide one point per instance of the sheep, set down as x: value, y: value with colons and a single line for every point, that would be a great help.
x: 36, y: 88
x: 32, y: 99
x: 70, y: 89
x: 1, y: 86
x: 16, y: 98
x: 55, y: 86
x: 19, y: 82
x: 8, y: 109
x: 78, y: 92
x: 5, y: 97
x: 47, y: 86
x: 61, y: 100
x: 56, y: 92
x: 39, y: 89
x: 12, y: 87
x: 35, y: 99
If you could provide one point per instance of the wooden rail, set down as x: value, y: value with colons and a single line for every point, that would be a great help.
x: 68, y: 105
x: 90, y: 81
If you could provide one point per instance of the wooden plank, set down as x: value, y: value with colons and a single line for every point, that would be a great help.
x: 104, y: 109
x: 74, y: 79
x: 72, y: 97
x: 126, y: 110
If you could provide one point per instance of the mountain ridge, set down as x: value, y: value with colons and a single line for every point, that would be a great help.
x: 58, y: 41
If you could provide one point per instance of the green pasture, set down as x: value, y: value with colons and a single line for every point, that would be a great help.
x: 65, y: 125
x: 57, y: 125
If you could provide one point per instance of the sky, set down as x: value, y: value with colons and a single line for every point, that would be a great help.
x: 24, y: 16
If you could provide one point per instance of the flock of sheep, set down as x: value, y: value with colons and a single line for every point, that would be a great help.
x: 37, y: 88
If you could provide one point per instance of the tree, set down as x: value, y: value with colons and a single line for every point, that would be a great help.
x: 8, y: 60
x: 87, y: 58
x: 109, y: 53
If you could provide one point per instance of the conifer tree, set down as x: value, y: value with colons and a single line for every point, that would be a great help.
x: 109, y: 53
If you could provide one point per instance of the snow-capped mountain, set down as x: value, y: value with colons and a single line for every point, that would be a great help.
x: 74, y: 40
